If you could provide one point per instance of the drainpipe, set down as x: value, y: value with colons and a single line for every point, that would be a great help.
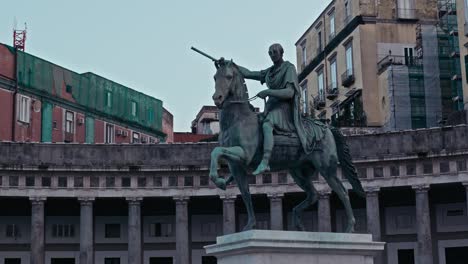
x: 13, y: 112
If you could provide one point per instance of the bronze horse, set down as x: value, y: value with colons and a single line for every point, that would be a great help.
x: 240, y: 145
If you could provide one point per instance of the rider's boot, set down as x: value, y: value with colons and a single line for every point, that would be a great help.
x: 267, y: 148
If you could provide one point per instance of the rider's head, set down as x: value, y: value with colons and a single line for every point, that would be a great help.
x: 276, y: 53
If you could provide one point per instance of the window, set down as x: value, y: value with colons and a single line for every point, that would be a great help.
x: 333, y: 74
x: 411, y: 169
x: 304, y: 53
x: 362, y: 172
x: 349, y: 59
x: 13, y: 181
x: 111, y: 260
x: 319, y: 44
x: 141, y: 181
x: 94, y: 181
x: 320, y: 85
x: 406, y: 9
x: 461, y: 165
x: 109, y: 133
x: 204, y: 180
x: 110, y: 181
x: 109, y: 99
x: 24, y: 109
x: 63, y: 230
x: 69, y: 122
x: 332, y: 25
x: 157, y: 181
x: 135, y: 137
x: 427, y: 167
x: 78, y: 181
x: 444, y: 167
x: 112, y: 231
x: 62, y: 182
x: 126, y: 181
x: 409, y: 59
x: 266, y: 178
x: 12, y: 230
x: 12, y: 261
x: 378, y: 172
x: 68, y: 89
x: 134, y: 108
x: 160, y: 230
x: 172, y: 181
x: 347, y: 11
x: 29, y: 181
x: 304, y: 97
x: 45, y: 181
x: 188, y: 181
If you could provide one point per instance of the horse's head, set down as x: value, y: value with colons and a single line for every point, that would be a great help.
x: 229, y: 84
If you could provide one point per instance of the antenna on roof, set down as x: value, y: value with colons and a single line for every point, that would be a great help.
x: 19, y: 36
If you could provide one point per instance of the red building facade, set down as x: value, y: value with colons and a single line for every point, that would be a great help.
x: 43, y: 102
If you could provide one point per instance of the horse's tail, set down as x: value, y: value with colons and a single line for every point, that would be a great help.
x: 346, y: 163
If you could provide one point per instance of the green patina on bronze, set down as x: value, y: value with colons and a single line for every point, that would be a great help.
x: 279, y: 139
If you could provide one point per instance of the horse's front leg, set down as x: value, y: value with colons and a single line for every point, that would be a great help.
x: 229, y: 153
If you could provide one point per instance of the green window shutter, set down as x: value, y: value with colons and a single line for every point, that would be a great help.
x: 89, y: 124
x: 46, y: 121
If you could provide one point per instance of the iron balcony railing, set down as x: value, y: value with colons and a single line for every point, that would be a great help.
x: 397, y: 60
x: 319, y: 101
x: 347, y: 78
x: 332, y: 91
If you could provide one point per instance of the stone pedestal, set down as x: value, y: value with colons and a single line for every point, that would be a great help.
x: 279, y: 247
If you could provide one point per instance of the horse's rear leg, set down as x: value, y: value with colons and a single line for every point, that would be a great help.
x: 337, y: 186
x: 302, y: 177
x: 240, y: 175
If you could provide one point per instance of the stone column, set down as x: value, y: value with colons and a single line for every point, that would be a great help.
x: 373, y: 219
x: 134, y: 230
x: 276, y: 211
x: 37, y: 230
x: 86, y: 230
x: 423, y: 225
x: 182, y: 231
x: 324, y: 217
x: 229, y: 214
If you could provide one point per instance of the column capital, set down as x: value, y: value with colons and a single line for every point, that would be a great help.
x: 228, y: 197
x: 372, y: 191
x: 324, y: 194
x: 37, y: 199
x: 181, y: 200
x: 275, y: 196
x: 421, y: 188
x: 86, y: 200
x: 134, y: 200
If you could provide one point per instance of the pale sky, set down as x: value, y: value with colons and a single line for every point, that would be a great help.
x: 145, y: 45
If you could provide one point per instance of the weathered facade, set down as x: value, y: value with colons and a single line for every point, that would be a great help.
x: 390, y: 64
x: 75, y: 203
x: 43, y: 102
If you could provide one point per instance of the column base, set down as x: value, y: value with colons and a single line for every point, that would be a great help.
x: 279, y: 247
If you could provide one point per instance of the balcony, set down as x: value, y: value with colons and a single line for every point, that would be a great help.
x: 347, y: 78
x: 332, y: 91
x: 406, y: 14
x: 319, y: 101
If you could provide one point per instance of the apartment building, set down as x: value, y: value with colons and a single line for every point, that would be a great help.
x: 462, y: 33
x: 44, y: 102
x: 343, y: 59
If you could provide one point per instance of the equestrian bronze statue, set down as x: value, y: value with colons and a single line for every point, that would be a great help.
x: 278, y: 139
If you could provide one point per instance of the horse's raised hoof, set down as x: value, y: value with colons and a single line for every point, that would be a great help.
x: 220, y: 183
x: 262, y: 167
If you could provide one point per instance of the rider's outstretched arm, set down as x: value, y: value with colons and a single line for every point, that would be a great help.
x: 253, y: 75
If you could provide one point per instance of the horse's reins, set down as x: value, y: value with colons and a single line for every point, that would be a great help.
x: 244, y: 101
